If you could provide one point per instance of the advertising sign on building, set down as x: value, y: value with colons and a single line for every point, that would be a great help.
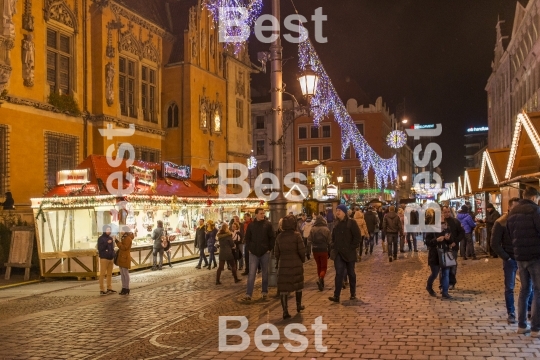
x: 78, y: 176
x: 143, y: 176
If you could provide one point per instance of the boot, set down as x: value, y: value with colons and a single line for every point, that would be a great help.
x: 123, y: 292
x: 320, y: 284
x: 127, y: 291
x: 299, y: 306
x: 285, y: 306
x: 218, y: 276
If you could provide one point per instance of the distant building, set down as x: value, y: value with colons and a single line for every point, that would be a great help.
x: 515, y: 81
x: 476, y: 141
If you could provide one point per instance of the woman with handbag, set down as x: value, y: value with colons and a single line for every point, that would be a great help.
x: 226, y: 252
x: 124, y: 258
x: 440, y: 257
x: 211, y: 233
x: 237, y: 238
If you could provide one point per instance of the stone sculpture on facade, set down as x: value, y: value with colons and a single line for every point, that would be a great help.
x: 109, y: 83
x: 28, y: 56
x: 9, y: 9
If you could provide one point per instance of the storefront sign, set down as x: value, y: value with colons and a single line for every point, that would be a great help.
x: 420, y: 126
x: 180, y: 172
x: 210, y: 180
x: 477, y: 129
x: 331, y: 191
x: 144, y: 176
x: 78, y: 176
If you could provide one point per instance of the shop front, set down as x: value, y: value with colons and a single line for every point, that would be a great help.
x: 71, y: 217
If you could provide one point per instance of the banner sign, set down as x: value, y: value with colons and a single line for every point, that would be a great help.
x: 180, y: 172
x: 143, y: 176
x: 78, y: 176
x: 210, y: 180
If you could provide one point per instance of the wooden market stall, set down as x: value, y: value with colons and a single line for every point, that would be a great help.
x: 71, y: 216
x: 491, y: 174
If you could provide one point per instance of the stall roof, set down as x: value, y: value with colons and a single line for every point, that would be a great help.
x: 100, y: 170
x: 493, y: 162
x: 460, y: 192
x: 470, y: 182
x: 524, y: 155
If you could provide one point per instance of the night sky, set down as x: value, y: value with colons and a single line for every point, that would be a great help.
x: 434, y: 54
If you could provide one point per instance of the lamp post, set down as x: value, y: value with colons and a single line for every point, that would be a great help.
x: 308, y: 82
x: 339, y: 181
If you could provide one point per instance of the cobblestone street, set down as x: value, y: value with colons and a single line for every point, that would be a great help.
x: 173, y: 314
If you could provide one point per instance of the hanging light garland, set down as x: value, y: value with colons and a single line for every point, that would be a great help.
x: 396, y: 139
x: 325, y: 102
x: 253, y: 9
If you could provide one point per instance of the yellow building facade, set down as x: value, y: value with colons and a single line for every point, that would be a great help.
x: 71, y: 67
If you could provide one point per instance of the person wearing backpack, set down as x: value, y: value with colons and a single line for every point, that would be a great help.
x: 319, y: 241
x: 345, y: 240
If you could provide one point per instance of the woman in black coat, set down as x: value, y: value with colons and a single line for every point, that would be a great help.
x: 290, y: 254
x: 434, y: 241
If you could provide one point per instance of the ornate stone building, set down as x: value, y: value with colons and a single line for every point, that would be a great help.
x: 69, y: 68
x: 515, y: 81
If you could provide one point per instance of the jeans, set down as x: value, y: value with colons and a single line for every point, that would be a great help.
x: 212, y: 257
x: 105, y: 269
x: 376, y: 235
x: 510, y: 268
x: 168, y: 253
x: 124, y: 276
x: 529, y: 274
x: 321, y: 258
x: 246, y: 258
x: 392, y: 244
x: 369, y: 241
x: 411, y: 238
x: 445, y: 274
x: 240, y: 255
x: 344, y: 268
x: 202, y: 257
x: 383, y: 235
x: 155, y: 252
x: 254, y: 262
x: 467, y: 246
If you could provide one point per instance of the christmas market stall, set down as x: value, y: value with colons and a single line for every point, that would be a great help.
x: 71, y: 216
x: 491, y: 173
x: 523, y: 165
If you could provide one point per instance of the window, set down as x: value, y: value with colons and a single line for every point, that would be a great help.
x: 239, y: 113
x: 148, y: 94
x: 4, y: 176
x: 326, y: 131
x: 302, y: 154
x: 315, y: 153
x: 348, y: 153
x: 59, y: 58
x: 314, y: 132
x: 126, y: 87
x: 260, y: 122
x: 360, y: 128
x: 304, y: 182
x: 346, y: 173
x: 260, y: 147
x: 62, y: 153
x: 302, y: 132
x: 172, y: 116
x: 359, y: 175
x: 326, y: 153
x: 148, y: 155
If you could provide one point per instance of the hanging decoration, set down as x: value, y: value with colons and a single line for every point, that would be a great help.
x: 251, y: 162
x: 396, y: 139
x: 327, y: 102
x: 253, y: 9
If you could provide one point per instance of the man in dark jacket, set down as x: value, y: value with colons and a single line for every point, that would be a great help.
x: 200, y: 243
x: 346, y: 238
x: 372, y: 223
x: 157, y: 248
x: 457, y: 234
x: 491, y: 216
x: 392, y: 228
x: 501, y: 244
x: 105, y: 245
x: 260, y: 240
x: 524, y: 228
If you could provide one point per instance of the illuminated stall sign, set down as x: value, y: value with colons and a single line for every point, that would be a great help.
x: 180, y: 172
x: 331, y: 191
x: 210, y: 180
x: 143, y: 176
x: 78, y: 176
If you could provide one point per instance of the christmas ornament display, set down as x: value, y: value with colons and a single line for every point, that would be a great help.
x: 396, y: 139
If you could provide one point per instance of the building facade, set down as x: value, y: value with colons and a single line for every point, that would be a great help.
x: 476, y: 143
x: 514, y: 83
x: 69, y: 68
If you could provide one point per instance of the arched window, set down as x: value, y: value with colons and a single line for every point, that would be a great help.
x: 172, y: 116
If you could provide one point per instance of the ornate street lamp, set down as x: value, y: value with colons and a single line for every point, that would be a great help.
x: 308, y: 83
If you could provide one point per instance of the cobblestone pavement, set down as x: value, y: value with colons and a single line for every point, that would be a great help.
x: 173, y: 314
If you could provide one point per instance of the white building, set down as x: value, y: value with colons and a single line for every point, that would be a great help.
x: 514, y: 83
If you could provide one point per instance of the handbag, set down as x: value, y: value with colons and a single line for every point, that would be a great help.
x: 116, y: 253
x: 446, y: 258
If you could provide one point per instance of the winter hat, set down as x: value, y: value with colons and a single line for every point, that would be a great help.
x: 464, y: 208
x: 342, y: 208
x: 490, y: 206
